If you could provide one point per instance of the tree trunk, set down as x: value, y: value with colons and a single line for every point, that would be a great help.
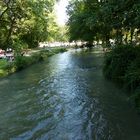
x: 7, y: 7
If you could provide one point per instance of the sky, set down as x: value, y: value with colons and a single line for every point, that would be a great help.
x: 60, y: 9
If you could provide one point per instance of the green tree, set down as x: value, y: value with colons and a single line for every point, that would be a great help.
x: 24, y: 21
x: 104, y: 20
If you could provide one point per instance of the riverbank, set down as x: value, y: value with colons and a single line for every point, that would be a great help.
x: 122, y: 65
x: 30, y: 58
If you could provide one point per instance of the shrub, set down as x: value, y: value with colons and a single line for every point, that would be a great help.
x: 132, y: 75
x: 21, y: 62
x: 135, y: 97
x: 117, y: 62
x: 122, y: 65
x: 3, y: 63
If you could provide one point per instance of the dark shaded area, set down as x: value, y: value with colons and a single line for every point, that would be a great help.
x: 122, y: 65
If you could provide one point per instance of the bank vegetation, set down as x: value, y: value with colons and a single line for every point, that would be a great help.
x: 115, y: 23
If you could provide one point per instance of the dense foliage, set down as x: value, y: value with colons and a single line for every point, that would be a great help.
x: 122, y: 65
x: 103, y: 20
x: 25, y: 22
x: 115, y: 23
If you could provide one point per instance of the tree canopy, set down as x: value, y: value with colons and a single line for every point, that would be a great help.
x: 26, y: 22
x: 91, y: 20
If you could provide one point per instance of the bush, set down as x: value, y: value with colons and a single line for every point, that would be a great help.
x: 117, y: 62
x: 135, y: 97
x: 6, y: 68
x: 22, y: 62
x: 122, y: 65
x: 132, y: 75
x: 3, y: 63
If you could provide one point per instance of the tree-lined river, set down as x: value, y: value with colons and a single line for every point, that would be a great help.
x: 65, y: 98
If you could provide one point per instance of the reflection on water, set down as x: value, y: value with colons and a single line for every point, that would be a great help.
x: 65, y: 98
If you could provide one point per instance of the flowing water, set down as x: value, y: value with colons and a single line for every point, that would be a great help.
x: 66, y: 98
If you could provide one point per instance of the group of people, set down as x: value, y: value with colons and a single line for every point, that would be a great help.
x: 8, y: 54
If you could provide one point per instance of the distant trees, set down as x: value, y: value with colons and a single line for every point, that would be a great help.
x: 56, y: 32
x: 104, y: 19
x: 24, y: 21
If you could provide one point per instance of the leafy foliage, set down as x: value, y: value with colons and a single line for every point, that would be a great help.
x: 104, y: 20
x: 122, y: 65
x: 117, y: 62
x: 26, y: 21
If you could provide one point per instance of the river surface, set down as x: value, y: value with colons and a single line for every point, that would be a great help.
x: 66, y: 98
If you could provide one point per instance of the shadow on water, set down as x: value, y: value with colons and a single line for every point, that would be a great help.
x: 66, y: 98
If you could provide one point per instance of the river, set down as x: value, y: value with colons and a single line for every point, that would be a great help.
x: 66, y: 98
